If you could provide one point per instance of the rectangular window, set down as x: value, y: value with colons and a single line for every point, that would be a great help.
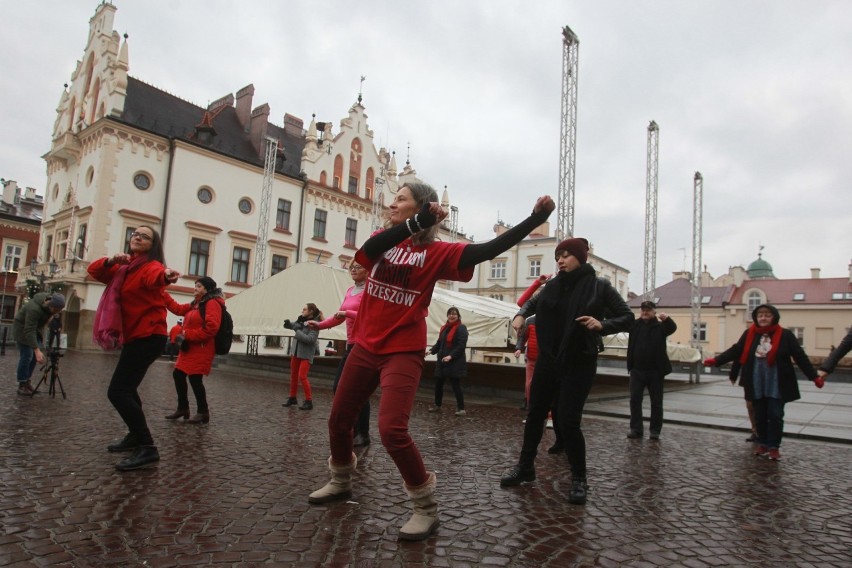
x: 799, y: 332
x: 279, y: 264
x: 199, y: 255
x: 498, y: 269
x: 837, y: 295
x: 535, y: 268
x: 80, y: 243
x: 282, y: 217
x: 12, y: 257
x: 351, y: 232
x: 240, y: 265
x: 702, y: 332
x: 799, y: 297
x: 353, y: 184
x: 319, y: 223
x: 61, y: 245
x: 127, y: 233
x: 48, y: 246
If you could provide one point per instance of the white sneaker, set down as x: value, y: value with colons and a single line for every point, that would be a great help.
x: 434, y: 409
x: 461, y: 413
x: 550, y: 423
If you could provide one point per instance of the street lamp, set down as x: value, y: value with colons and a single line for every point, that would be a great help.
x: 42, y: 276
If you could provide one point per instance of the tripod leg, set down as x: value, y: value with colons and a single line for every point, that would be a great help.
x: 54, y: 378
x: 41, y: 381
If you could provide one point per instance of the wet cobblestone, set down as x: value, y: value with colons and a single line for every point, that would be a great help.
x: 234, y: 492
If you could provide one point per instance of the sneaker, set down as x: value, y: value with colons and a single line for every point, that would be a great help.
x: 461, y: 412
x: 577, y: 494
x: 774, y: 454
x: 549, y: 423
x: 633, y: 435
x: 761, y: 451
x: 655, y: 436
x: 434, y: 409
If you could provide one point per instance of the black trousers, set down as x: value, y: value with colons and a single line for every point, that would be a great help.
x: 639, y: 381
x: 362, y: 426
x: 197, y: 383
x: 136, y: 356
x: 570, y: 382
x: 439, y: 391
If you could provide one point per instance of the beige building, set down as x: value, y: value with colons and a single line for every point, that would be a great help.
x: 817, y: 310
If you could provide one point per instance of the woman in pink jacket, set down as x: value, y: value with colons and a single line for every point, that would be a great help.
x: 348, y: 312
x: 201, y: 320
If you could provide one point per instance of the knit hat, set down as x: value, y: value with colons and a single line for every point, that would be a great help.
x: 56, y: 301
x: 577, y: 247
x: 648, y: 305
x: 208, y: 283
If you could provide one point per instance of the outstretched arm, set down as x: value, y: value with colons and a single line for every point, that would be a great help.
x: 429, y: 215
x: 474, y: 254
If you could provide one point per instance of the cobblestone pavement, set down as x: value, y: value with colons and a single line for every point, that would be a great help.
x: 234, y: 492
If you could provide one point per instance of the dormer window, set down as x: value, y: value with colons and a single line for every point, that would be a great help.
x: 705, y: 300
x: 799, y: 297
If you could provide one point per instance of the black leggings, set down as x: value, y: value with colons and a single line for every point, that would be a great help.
x: 570, y: 382
x: 197, y: 383
x: 136, y: 356
x: 439, y: 391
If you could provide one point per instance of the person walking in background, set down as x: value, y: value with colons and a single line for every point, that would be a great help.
x: 172, y: 345
x: 404, y: 263
x: 527, y: 342
x: 830, y: 363
x: 451, y: 349
x: 764, y: 356
x: 197, y: 348
x: 54, y: 331
x: 347, y: 313
x: 302, y: 352
x: 131, y: 316
x: 648, y: 363
x: 573, y: 310
x: 27, y: 331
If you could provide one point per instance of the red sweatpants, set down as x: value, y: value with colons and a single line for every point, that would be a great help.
x: 299, y: 374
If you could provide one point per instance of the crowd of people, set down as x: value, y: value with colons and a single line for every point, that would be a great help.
x: 560, y: 324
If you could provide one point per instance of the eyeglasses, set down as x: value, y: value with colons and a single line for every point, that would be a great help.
x: 356, y: 267
x: 142, y: 236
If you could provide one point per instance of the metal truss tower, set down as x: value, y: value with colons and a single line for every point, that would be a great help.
x: 263, y: 211
x: 378, y: 200
x: 695, y: 296
x: 568, y: 134
x: 650, y: 278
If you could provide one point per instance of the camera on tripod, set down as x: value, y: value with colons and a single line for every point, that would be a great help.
x: 50, y: 372
x: 54, y: 355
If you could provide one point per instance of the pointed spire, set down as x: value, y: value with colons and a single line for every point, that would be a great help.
x: 445, y: 198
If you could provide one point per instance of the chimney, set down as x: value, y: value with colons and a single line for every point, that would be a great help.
x: 259, y: 122
x: 293, y: 125
x: 815, y: 273
x: 244, y: 97
x: 10, y: 191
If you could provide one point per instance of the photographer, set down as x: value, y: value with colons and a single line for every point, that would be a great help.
x: 27, y: 332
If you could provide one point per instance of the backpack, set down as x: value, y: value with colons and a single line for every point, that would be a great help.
x: 225, y: 335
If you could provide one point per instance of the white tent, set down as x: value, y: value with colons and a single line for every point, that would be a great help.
x: 262, y: 309
x: 616, y: 345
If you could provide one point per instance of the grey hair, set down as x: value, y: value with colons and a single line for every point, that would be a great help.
x: 422, y: 194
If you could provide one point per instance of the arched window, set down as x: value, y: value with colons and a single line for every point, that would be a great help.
x: 72, y: 109
x: 95, y: 95
x: 370, y: 184
x: 754, y: 298
x: 354, y: 166
x: 338, y: 171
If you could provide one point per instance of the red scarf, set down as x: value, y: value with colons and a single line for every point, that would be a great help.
x: 753, y: 331
x: 107, y: 329
x: 450, y: 334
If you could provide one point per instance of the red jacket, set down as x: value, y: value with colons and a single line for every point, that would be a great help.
x: 198, y: 335
x: 143, y: 310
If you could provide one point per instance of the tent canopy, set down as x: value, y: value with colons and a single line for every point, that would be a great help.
x: 262, y: 309
x: 616, y: 344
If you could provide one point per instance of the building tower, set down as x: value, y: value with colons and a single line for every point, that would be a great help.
x: 650, y: 276
x: 567, y: 135
x: 695, y: 296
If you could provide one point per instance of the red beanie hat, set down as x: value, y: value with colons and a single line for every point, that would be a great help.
x: 578, y: 248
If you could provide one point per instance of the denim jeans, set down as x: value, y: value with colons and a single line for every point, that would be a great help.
x: 26, y: 362
x: 769, y: 419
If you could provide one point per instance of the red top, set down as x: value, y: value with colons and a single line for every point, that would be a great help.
x: 173, y: 332
x: 392, y: 315
x: 143, y: 310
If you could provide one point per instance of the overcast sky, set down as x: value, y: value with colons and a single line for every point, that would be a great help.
x: 756, y: 95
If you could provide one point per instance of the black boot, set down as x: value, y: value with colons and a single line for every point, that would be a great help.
x: 144, y: 455
x: 128, y: 443
x: 307, y: 405
x: 577, y: 495
x: 517, y: 475
x: 556, y: 448
x: 291, y: 402
x: 179, y: 413
x: 361, y: 440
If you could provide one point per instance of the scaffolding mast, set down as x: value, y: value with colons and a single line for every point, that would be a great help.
x: 695, y: 296
x: 263, y: 210
x: 650, y: 279
x: 378, y: 200
x: 568, y: 134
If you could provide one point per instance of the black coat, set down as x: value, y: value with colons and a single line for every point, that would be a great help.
x: 457, y: 367
x: 651, y: 336
x: 601, y: 301
x: 788, y: 351
x: 835, y: 356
